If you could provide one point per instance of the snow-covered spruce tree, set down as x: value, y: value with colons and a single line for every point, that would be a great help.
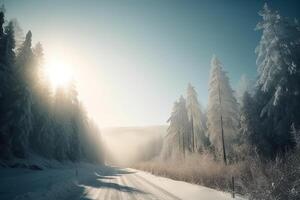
x: 278, y: 64
x: 22, y: 111
x: 249, y: 126
x: 41, y: 138
x: 197, y: 127
x: 71, y: 125
x: 177, y: 141
x: 4, y: 136
x: 8, y: 89
x: 222, y: 107
x: 171, y: 140
x: 25, y: 62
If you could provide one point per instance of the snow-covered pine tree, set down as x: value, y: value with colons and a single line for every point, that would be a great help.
x: 8, y: 95
x: 221, y: 104
x: 41, y: 137
x: 67, y: 115
x: 278, y: 64
x: 249, y: 124
x: 177, y: 140
x: 171, y: 141
x: 25, y: 62
x: 183, y: 123
x: 4, y: 148
x: 22, y: 112
x: 195, y: 115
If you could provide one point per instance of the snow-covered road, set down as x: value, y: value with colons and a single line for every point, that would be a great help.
x: 101, y: 183
x: 137, y: 185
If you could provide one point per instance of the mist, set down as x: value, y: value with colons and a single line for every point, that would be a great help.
x: 129, y: 145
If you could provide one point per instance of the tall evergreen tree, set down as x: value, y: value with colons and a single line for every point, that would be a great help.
x: 249, y: 123
x: 222, y: 109
x: 8, y: 95
x: 42, y: 127
x: 278, y: 63
x: 196, y: 120
x: 177, y: 139
x: 23, y: 110
x: 25, y: 62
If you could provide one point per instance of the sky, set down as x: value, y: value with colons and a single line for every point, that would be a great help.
x: 133, y: 58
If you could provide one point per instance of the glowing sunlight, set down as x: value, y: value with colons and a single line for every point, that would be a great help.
x: 59, y: 73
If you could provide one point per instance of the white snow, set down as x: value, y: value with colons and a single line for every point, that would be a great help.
x: 187, y: 191
x: 96, y: 182
x: 55, y: 183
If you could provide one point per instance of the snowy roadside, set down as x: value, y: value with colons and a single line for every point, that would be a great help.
x: 184, y: 190
x: 50, y: 183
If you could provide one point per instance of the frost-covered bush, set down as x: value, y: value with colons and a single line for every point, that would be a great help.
x: 194, y: 168
x: 271, y: 180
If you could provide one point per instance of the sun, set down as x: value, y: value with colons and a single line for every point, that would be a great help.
x: 59, y: 73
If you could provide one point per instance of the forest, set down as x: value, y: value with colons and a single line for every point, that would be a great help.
x: 252, y: 133
x: 38, y: 121
x: 245, y: 141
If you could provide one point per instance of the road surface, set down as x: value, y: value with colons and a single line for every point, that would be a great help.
x: 130, y: 184
x: 98, y: 183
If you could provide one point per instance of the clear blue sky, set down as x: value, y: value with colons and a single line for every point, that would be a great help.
x: 133, y: 58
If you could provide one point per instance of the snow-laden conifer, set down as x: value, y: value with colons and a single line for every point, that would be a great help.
x: 222, y: 106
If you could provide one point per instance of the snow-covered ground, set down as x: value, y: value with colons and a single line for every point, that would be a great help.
x: 50, y: 183
x: 98, y: 182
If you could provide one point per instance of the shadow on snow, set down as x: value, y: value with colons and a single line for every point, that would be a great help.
x: 101, y: 180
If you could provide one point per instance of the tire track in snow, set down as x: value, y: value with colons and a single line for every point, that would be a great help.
x: 170, y: 195
x: 125, y: 181
x: 148, y: 195
x: 106, y: 191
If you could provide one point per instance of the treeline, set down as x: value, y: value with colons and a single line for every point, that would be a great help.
x: 260, y: 123
x: 195, y: 130
x: 35, y: 119
x: 262, y: 118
